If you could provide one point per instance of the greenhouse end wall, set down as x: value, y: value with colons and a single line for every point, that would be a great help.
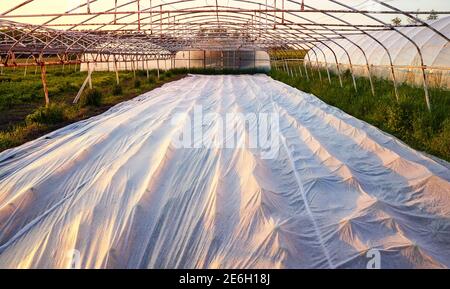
x: 234, y: 59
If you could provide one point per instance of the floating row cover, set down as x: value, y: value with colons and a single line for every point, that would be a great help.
x: 435, y: 50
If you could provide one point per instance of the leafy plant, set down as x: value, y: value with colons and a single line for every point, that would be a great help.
x: 117, y: 89
x: 52, y: 114
x: 93, y: 97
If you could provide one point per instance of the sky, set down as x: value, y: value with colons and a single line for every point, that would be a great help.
x: 53, y: 6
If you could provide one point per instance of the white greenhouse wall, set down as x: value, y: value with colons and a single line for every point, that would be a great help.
x: 435, y: 50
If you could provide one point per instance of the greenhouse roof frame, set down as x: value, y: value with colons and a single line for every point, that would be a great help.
x: 165, y: 27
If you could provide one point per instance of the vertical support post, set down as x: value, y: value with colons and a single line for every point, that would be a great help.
x: 394, y: 80
x: 328, y: 72
x: 320, y: 74
x: 370, y: 80
x: 89, y: 75
x: 148, y: 72
x: 26, y: 68
x: 157, y: 64
x: 306, y: 70
x: 117, y: 71
x: 189, y: 61
x: 353, y: 76
x: 425, y: 87
x: 44, y: 83
x: 339, y: 74
x: 204, y: 59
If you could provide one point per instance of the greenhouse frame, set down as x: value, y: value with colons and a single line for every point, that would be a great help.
x: 139, y: 31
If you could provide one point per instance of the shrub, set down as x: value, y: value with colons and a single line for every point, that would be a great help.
x: 141, y: 73
x: 117, y: 89
x: 152, y: 79
x: 18, y: 135
x: 137, y: 83
x: 6, y: 102
x: 52, y: 114
x: 441, y: 142
x: 93, y: 97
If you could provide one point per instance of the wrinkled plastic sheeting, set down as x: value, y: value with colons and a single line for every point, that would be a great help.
x: 114, y: 189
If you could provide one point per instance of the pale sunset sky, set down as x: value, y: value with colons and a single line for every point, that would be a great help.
x: 58, y: 6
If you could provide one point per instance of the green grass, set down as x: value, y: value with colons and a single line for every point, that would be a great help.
x: 408, y: 119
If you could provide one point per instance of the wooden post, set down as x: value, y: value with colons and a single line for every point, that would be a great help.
x: 189, y: 61
x: 339, y: 74
x: 44, y: 83
x: 148, y: 72
x: 117, y: 71
x: 204, y: 59
x: 394, y: 81
x: 26, y: 67
x: 425, y: 87
x: 77, y: 97
x: 306, y: 70
x: 372, y: 88
x: 328, y: 73
x: 89, y: 75
x: 353, y: 76
x: 157, y: 64
x: 300, y: 70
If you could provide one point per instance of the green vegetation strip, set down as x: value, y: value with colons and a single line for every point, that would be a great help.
x: 408, y: 119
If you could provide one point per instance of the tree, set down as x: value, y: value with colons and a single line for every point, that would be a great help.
x: 433, y: 15
x: 396, y: 21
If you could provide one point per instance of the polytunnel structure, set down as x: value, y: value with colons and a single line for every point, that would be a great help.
x: 406, y: 60
x: 138, y: 186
